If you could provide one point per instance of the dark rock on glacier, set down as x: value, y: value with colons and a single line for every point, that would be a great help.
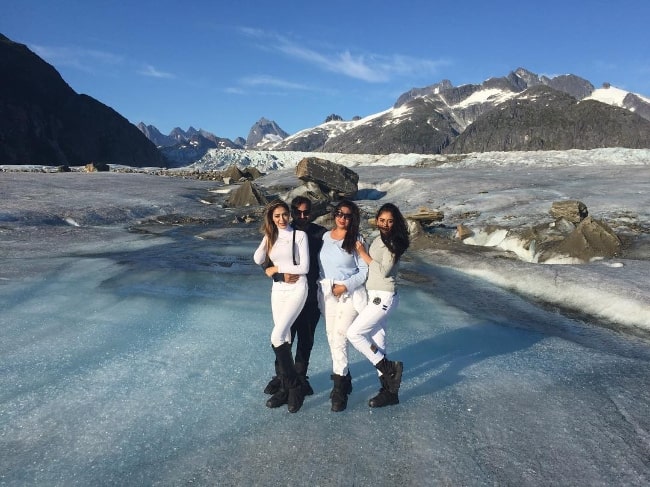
x: 591, y: 239
x: 573, y: 211
x: 247, y: 194
x: 330, y: 176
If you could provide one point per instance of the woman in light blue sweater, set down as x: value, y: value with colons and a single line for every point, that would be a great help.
x: 368, y: 332
x: 341, y: 293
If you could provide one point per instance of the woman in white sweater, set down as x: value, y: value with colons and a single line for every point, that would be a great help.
x: 284, y: 249
x: 368, y: 331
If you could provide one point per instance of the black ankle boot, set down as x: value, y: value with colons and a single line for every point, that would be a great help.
x: 279, y: 398
x: 392, y: 374
x: 273, y: 386
x: 296, y: 399
x: 384, y: 397
x: 339, y: 395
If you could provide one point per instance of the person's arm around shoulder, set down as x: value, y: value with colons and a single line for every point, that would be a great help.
x: 363, y: 253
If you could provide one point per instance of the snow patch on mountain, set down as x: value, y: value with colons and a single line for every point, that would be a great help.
x: 397, y: 115
x: 491, y: 95
x: 611, y: 96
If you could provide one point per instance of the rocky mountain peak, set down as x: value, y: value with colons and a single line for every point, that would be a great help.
x: 262, y: 129
x: 333, y: 118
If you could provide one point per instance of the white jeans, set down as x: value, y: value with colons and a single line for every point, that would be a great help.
x: 286, y: 305
x: 368, y: 331
x: 339, y: 313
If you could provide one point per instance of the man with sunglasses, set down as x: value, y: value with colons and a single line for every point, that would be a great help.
x: 304, y: 328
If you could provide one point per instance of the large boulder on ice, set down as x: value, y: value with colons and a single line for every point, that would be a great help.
x: 247, y: 194
x: 251, y: 173
x: 571, y: 210
x: 232, y: 174
x: 425, y: 216
x: 332, y: 177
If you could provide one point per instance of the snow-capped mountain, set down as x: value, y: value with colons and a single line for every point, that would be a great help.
x: 155, y: 136
x: 183, y: 147
x: 541, y: 118
x: 520, y: 111
x: 620, y: 98
x: 430, y: 119
x: 264, y: 133
x: 191, y: 137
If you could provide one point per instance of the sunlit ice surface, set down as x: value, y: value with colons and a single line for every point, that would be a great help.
x: 142, y: 360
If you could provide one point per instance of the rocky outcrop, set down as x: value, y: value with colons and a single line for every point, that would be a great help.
x: 333, y: 118
x: 591, y: 239
x: 426, y: 216
x: 43, y: 121
x: 572, y: 238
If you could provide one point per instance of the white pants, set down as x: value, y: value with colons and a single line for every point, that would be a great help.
x: 368, y: 331
x: 339, y: 313
x: 286, y: 305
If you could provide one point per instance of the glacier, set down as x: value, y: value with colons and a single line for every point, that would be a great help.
x: 134, y: 339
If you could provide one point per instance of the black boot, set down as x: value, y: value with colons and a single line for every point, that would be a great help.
x: 275, y: 387
x: 301, y: 370
x: 289, y: 378
x: 280, y: 398
x: 385, y: 397
x: 392, y: 374
x: 274, y: 384
x: 339, y: 395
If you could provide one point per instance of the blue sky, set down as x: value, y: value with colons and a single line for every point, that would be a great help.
x: 221, y: 66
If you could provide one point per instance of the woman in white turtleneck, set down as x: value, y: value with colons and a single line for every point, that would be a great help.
x: 284, y: 250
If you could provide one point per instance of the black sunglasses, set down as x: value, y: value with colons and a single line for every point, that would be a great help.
x: 345, y: 216
x: 301, y: 213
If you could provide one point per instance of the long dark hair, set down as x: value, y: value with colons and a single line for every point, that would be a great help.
x: 352, y: 233
x: 397, y: 241
x: 269, y: 228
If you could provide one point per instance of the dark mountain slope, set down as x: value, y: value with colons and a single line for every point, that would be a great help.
x: 542, y: 118
x: 44, y: 121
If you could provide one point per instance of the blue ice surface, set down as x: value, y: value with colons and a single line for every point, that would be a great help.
x: 143, y: 363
